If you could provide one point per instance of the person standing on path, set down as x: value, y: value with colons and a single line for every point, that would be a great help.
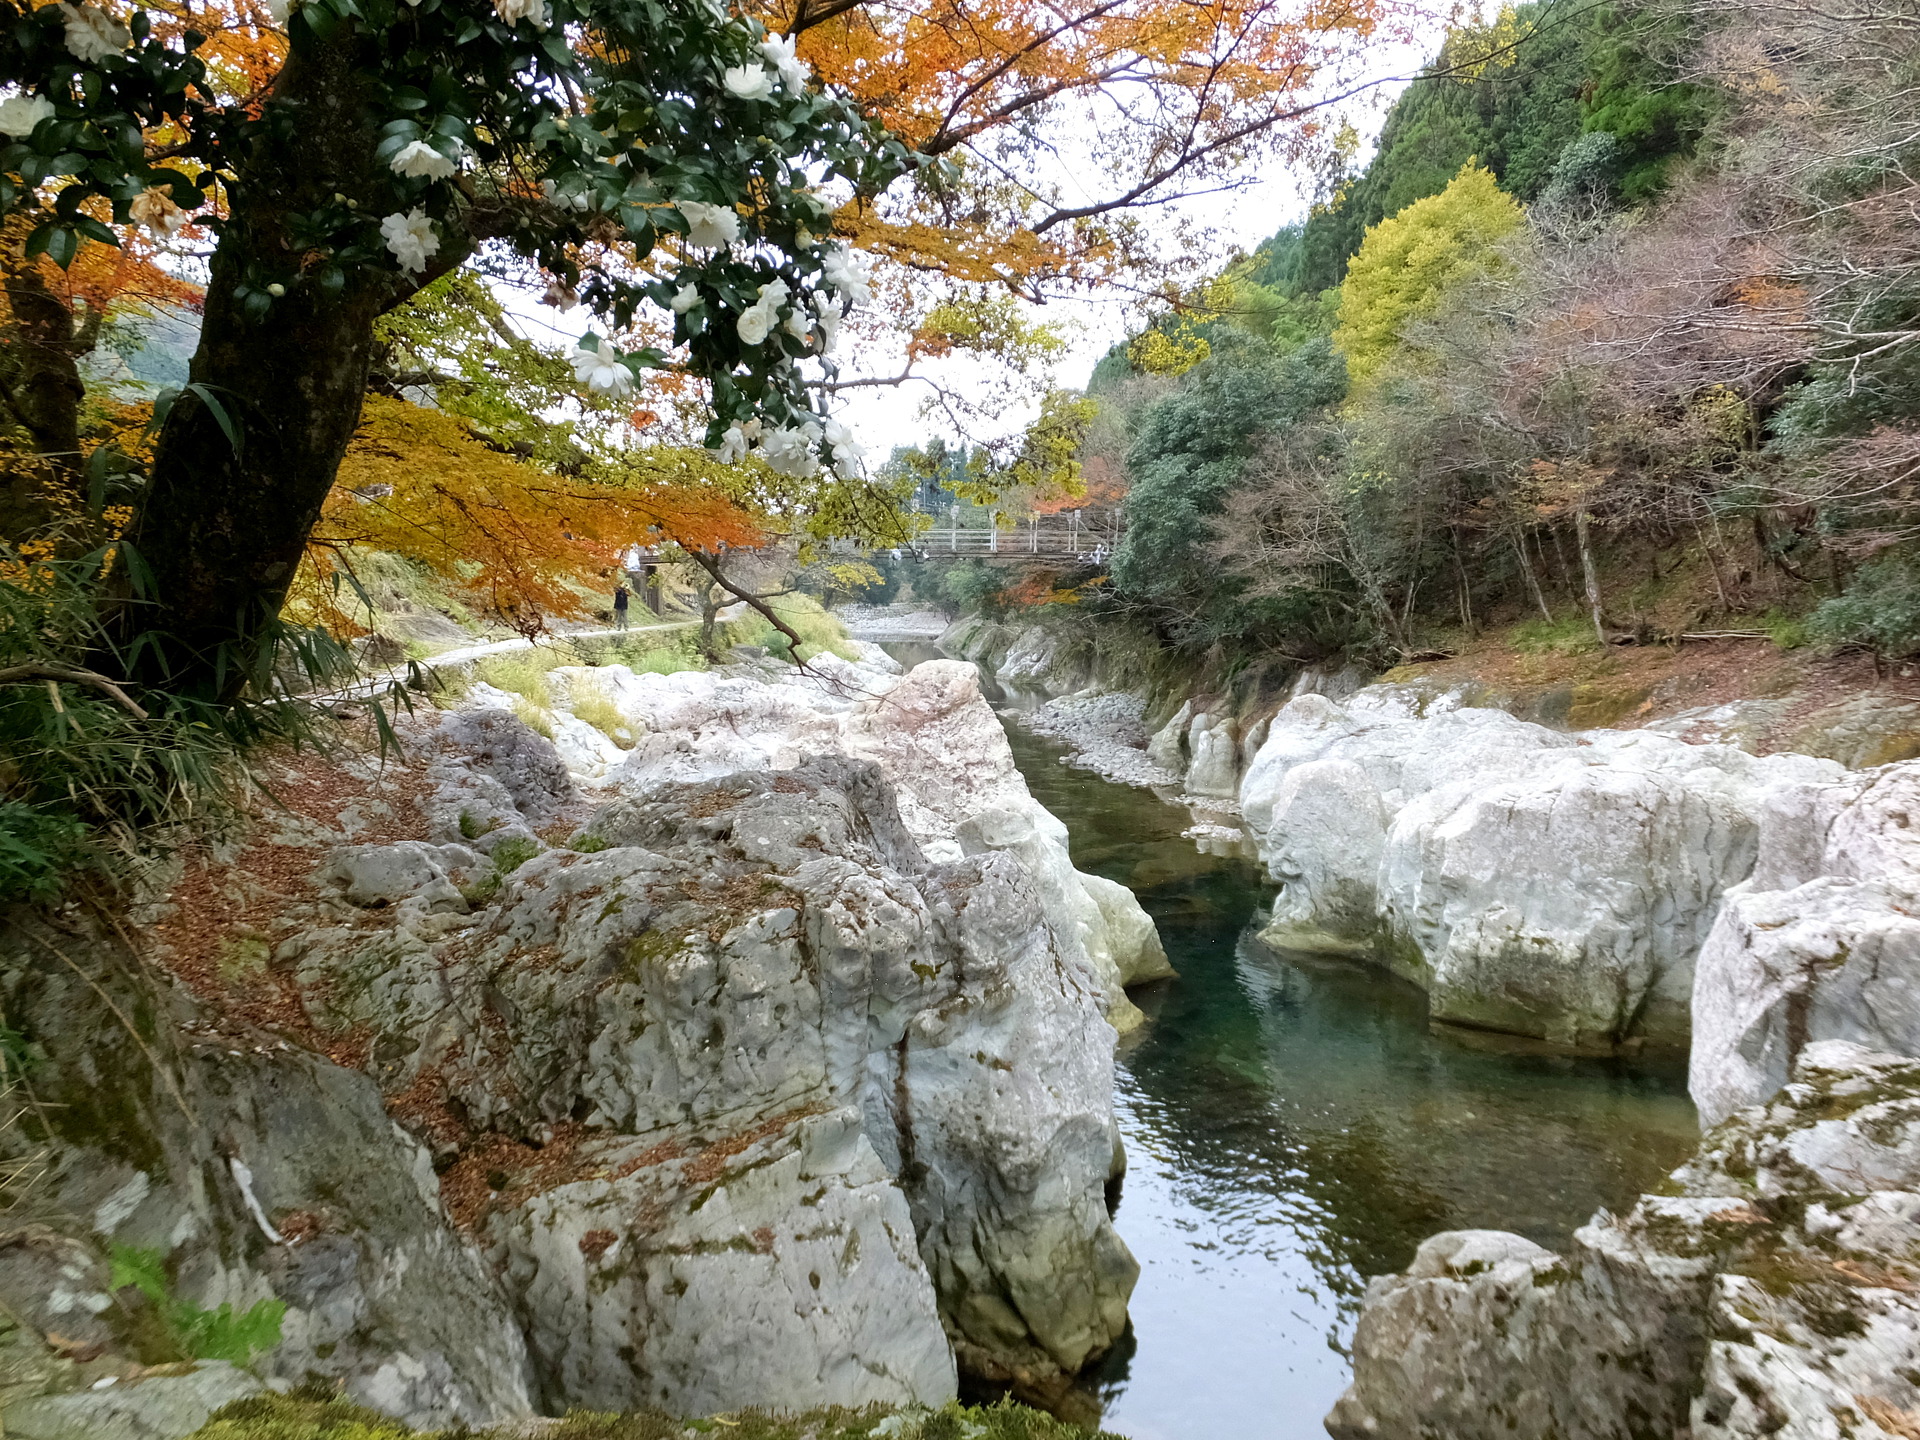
x: 620, y: 596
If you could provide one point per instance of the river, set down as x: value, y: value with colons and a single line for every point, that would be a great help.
x: 1294, y: 1126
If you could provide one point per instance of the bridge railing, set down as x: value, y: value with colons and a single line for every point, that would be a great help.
x: 1053, y: 535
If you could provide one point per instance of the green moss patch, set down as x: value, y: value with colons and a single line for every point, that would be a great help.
x: 278, y: 1417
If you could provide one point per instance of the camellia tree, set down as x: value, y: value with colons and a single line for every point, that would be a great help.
x: 639, y: 154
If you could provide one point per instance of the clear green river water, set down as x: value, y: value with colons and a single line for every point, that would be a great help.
x: 1294, y: 1126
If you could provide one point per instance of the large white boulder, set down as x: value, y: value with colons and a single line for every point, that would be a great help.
x: 1545, y: 884
x: 931, y: 733
x: 754, y: 1102
x: 1775, y: 1294
x: 1326, y: 855
x: 1822, y: 943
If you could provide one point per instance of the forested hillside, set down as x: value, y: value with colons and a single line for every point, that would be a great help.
x: 1615, y: 333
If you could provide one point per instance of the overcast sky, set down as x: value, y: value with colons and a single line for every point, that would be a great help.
x: 885, y: 417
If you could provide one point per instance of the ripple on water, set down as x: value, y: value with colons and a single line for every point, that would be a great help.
x: 1294, y: 1126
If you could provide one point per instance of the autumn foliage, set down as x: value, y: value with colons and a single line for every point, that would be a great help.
x: 1181, y: 96
x: 519, y: 541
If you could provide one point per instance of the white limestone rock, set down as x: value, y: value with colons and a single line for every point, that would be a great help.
x: 1777, y: 1295
x: 931, y: 733
x: 375, y: 876
x: 1167, y: 747
x: 1549, y: 885
x: 1213, y: 767
x: 1133, y: 944
x: 1325, y: 852
x: 845, y: 1111
x: 786, y: 1265
x: 492, y: 779
x: 159, y: 1407
x: 1822, y: 943
x: 272, y: 1174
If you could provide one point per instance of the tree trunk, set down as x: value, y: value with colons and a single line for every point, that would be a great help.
x: 1532, y: 580
x: 1713, y: 563
x: 1560, y: 559
x: 1585, y: 541
x: 710, y: 593
x: 1466, y: 586
x: 224, y: 525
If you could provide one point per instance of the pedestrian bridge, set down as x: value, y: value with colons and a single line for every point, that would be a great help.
x: 1046, y: 537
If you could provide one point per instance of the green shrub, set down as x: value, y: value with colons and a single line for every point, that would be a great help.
x: 973, y: 587
x: 513, y: 852
x: 522, y: 673
x: 1880, y: 609
x: 593, y: 705
x: 1789, y: 632
x: 38, y: 847
x: 97, y: 770
x: 222, y: 1334
x: 665, y: 661
x: 1570, y: 635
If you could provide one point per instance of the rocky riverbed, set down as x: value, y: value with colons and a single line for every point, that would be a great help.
x: 1588, y: 891
x: 759, y: 1056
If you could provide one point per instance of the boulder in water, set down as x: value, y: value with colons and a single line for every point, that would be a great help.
x: 1777, y: 1294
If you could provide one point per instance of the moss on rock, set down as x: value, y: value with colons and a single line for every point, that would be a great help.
x: 297, y: 1417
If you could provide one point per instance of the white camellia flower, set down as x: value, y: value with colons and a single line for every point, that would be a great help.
x: 846, y: 270
x: 749, y: 82
x: 710, y: 225
x: 420, y: 160
x: 847, y: 452
x: 20, y: 113
x: 732, y: 448
x: 777, y: 50
x: 92, y: 34
x: 756, y: 322
x: 598, y: 367
x: 754, y: 325
x: 790, y: 452
x: 828, y: 312
x: 154, y: 208
x: 554, y: 198
x: 514, y: 11
x: 282, y: 10
x: 684, y: 299
x: 799, y: 326
x: 410, y: 237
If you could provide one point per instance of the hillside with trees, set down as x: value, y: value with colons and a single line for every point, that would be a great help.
x: 1612, y: 336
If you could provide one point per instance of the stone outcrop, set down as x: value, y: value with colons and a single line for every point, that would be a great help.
x: 256, y: 1171
x: 933, y: 737
x: 1776, y: 1294
x: 1545, y: 884
x: 769, y: 1066
x: 1821, y: 943
x: 826, y: 1111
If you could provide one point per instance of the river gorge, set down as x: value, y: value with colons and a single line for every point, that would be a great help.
x: 1295, y: 1126
x: 837, y: 1040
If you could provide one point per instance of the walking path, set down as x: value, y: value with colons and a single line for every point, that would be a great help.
x: 467, y: 654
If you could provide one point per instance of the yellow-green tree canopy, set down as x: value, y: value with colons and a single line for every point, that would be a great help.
x: 1409, y: 262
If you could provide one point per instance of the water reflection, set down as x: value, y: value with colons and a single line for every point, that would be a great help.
x: 1295, y: 1126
